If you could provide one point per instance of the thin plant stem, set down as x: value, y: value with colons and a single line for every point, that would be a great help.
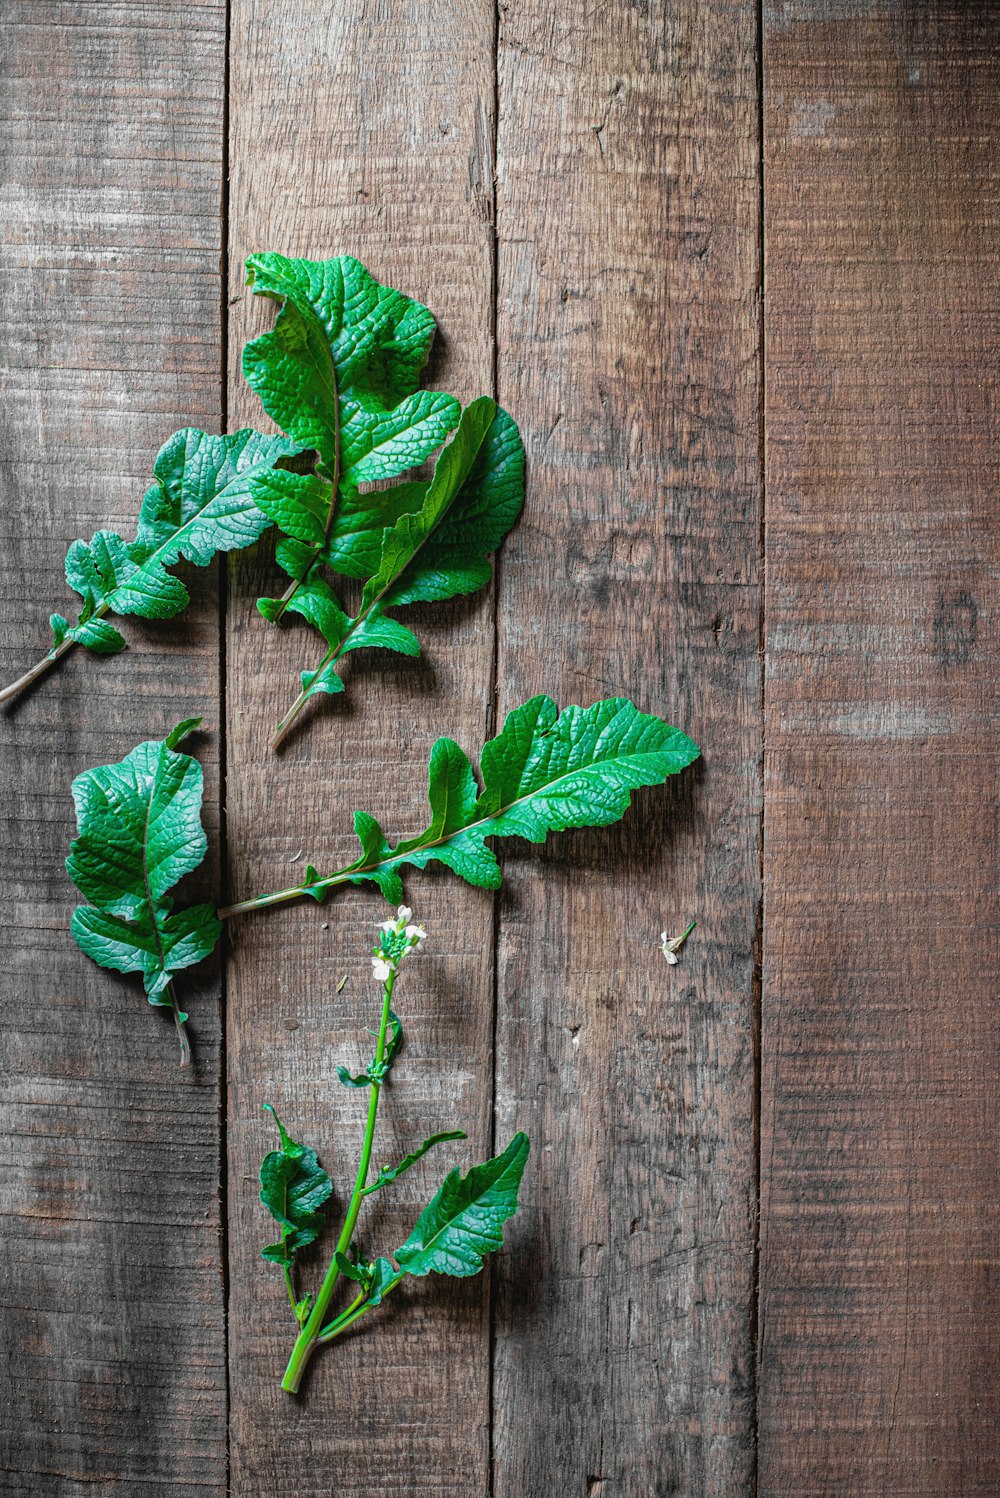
x: 179, y: 1026
x: 309, y: 1336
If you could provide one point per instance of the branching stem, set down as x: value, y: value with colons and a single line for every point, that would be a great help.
x: 313, y: 1331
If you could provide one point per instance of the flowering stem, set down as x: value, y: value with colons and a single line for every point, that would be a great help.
x: 307, y: 1339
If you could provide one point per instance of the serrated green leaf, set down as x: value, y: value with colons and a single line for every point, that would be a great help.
x: 139, y: 833
x: 339, y: 372
x: 544, y: 772
x: 391, y: 1173
x: 97, y: 635
x: 433, y: 548
x: 294, y: 1188
x: 199, y: 504
x: 464, y: 1220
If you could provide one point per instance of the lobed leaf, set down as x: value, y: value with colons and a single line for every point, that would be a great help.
x: 339, y: 372
x: 544, y: 772
x: 200, y: 503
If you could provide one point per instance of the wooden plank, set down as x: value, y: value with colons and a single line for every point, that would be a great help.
x: 627, y: 337
x: 881, y: 1245
x: 112, y: 1323
x: 366, y: 131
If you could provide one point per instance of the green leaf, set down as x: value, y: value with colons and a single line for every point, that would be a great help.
x: 339, y: 373
x: 545, y: 772
x: 464, y: 1220
x: 431, y: 545
x: 384, y: 1277
x: 376, y: 1280
x: 139, y: 833
x: 358, y: 1272
x: 294, y: 1188
x: 199, y: 504
x: 390, y: 1173
x: 335, y: 319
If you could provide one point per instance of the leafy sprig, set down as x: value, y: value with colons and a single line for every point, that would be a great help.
x: 461, y: 1224
x: 140, y: 832
x: 199, y: 504
x: 339, y: 373
x: 545, y: 772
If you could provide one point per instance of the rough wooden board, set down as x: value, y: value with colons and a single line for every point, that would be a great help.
x: 880, y: 1250
x: 627, y: 338
x: 369, y: 131
x: 114, y: 1368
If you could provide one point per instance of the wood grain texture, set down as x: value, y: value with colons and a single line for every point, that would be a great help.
x: 366, y: 130
x: 112, y: 1324
x: 880, y: 1267
x: 627, y: 331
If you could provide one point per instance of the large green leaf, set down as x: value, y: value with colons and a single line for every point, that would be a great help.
x: 464, y: 1220
x: 200, y: 503
x: 294, y: 1188
x: 545, y: 772
x: 139, y: 833
x: 339, y: 372
x: 427, y: 542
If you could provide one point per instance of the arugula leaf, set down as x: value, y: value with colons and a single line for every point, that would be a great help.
x: 390, y: 1173
x: 431, y: 543
x: 294, y: 1188
x: 545, y: 772
x: 200, y: 503
x: 464, y: 1220
x: 339, y: 372
x: 139, y: 833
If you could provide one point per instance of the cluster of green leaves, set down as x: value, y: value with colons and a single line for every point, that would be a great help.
x: 545, y: 772
x: 140, y: 832
x: 339, y: 373
x: 461, y: 1224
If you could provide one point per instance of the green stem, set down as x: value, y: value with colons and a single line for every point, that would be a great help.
x: 47, y: 662
x: 291, y: 1288
x: 349, y: 1317
x: 310, y: 1333
x: 333, y: 1327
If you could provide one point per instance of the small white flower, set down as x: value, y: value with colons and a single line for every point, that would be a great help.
x: 388, y: 926
x: 382, y: 970
x: 669, y: 945
x: 403, y: 914
x: 416, y: 935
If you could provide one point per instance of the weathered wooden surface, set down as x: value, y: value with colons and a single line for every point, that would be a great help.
x: 880, y: 1300
x: 627, y: 338
x: 112, y: 1326
x: 368, y: 131
x: 610, y: 289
